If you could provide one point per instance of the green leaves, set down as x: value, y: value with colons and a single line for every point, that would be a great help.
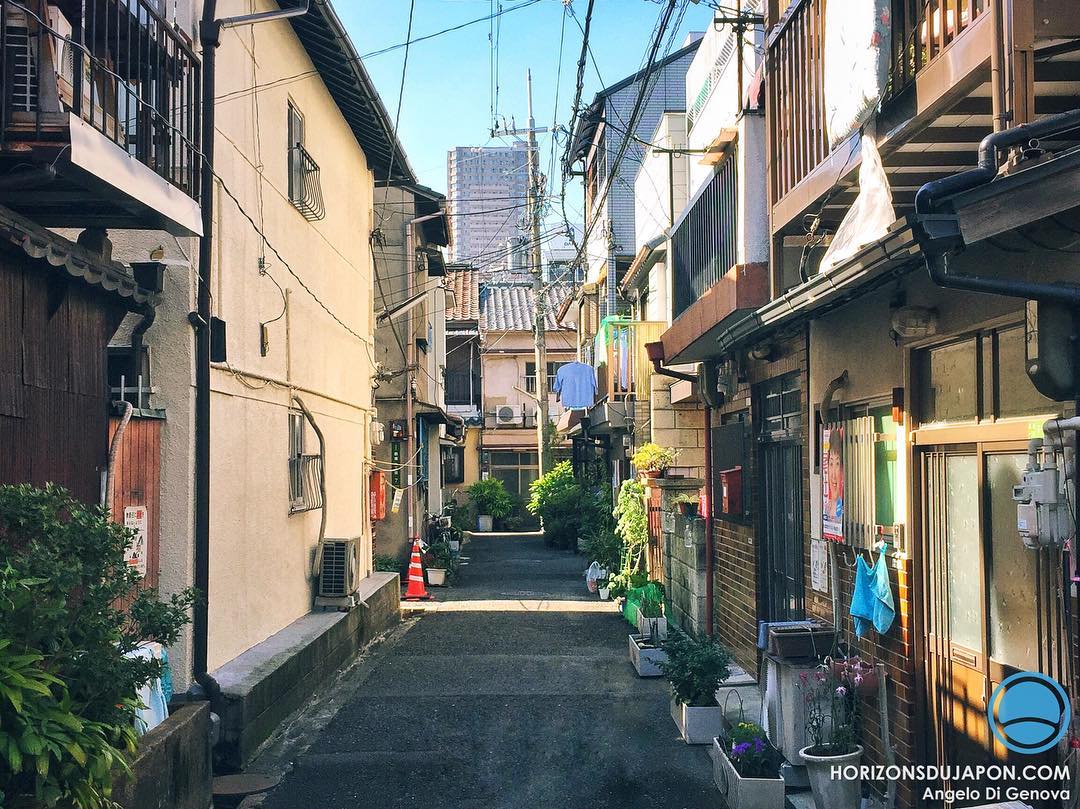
x: 67, y: 689
x: 695, y: 667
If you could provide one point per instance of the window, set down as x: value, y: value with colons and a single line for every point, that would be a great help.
x: 980, y: 377
x: 305, y: 190
x: 515, y: 469
x: 781, y: 404
x: 296, y: 460
x: 530, y: 375
x: 453, y: 465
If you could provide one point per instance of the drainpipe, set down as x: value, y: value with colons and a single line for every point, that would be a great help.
x: 210, y: 38
x: 708, y: 524
x: 940, y: 234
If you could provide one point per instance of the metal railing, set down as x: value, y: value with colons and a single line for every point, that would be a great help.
x: 920, y: 29
x: 305, y: 190
x: 461, y: 388
x: 117, y: 65
x: 305, y: 474
x: 704, y: 245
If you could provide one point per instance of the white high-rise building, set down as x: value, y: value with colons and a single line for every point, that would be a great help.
x: 487, y: 189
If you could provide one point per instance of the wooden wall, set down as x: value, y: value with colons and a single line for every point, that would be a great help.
x: 137, y: 482
x: 54, y: 332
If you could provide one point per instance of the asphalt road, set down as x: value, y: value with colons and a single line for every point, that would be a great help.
x: 516, y: 692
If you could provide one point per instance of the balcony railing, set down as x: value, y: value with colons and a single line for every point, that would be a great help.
x: 623, y: 369
x: 921, y: 30
x: 305, y: 190
x: 704, y: 244
x: 117, y: 65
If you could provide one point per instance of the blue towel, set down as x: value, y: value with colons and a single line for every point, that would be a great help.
x: 872, y: 601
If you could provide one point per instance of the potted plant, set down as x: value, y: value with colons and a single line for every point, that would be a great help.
x: 647, y: 655
x: 746, y: 769
x: 857, y: 674
x: 602, y: 585
x: 442, y: 562
x: 652, y: 459
x: 650, y: 615
x: 695, y: 667
x: 832, y: 710
x: 688, y: 504
x: 491, y: 501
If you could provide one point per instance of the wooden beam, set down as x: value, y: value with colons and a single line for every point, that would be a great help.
x: 952, y: 134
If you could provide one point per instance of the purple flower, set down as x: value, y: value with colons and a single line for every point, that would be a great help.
x: 740, y: 749
x: 841, y: 691
x: 759, y: 746
x: 857, y: 679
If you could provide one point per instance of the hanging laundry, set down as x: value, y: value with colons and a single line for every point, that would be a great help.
x: 872, y: 602
x: 575, y: 383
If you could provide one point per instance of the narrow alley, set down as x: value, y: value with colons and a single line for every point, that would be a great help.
x: 512, y: 690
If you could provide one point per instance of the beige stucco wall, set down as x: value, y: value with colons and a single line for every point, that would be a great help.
x: 260, y: 558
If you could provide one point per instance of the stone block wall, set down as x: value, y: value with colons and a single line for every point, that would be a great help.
x: 680, y: 426
x: 684, y: 564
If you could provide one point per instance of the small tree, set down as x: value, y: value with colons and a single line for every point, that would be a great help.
x: 67, y: 685
x: 632, y: 525
x: 694, y: 667
x: 489, y: 496
x: 568, y: 510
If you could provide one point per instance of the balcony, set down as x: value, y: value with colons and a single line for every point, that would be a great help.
x: 100, y: 116
x: 623, y: 370
x: 937, y: 103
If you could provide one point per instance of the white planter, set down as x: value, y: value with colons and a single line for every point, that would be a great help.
x: 605, y: 593
x: 645, y: 626
x: 436, y: 577
x: 835, y: 793
x: 744, y: 793
x: 646, y: 660
x: 484, y: 522
x: 697, y: 725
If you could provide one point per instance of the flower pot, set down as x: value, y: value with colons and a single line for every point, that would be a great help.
x: 697, y: 725
x: 645, y: 657
x: 836, y: 793
x: 605, y: 593
x: 436, y: 576
x: 688, y: 509
x: 744, y: 793
x: 484, y: 522
x: 650, y: 627
x: 652, y: 474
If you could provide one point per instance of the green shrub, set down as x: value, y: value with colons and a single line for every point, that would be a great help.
x: 67, y: 689
x: 489, y: 496
x: 632, y: 527
x: 695, y: 667
x: 386, y: 563
x: 602, y: 545
x: 568, y: 510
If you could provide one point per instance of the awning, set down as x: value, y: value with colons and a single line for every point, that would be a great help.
x: 569, y: 422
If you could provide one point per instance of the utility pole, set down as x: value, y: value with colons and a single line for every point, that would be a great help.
x: 536, y: 268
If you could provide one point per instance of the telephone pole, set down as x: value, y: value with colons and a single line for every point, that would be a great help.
x: 535, y: 195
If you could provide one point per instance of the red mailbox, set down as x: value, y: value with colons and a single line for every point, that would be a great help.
x: 731, y: 490
x: 377, y: 495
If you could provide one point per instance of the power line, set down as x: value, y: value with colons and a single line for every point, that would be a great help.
x: 400, y: 98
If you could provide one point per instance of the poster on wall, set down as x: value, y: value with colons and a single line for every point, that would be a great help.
x: 832, y: 484
x: 819, y: 566
x: 135, y: 555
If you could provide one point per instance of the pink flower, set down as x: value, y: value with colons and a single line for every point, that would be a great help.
x: 875, y: 40
x: 841, y: 691
x: 885, y: 16
x: 804, y: 677
x: 857, y: 679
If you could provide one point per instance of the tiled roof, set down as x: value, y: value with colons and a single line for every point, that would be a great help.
x: 465, y: 282
x: 511, y: 306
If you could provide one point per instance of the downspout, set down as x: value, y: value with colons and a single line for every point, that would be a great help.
x: 210, y: 38
x: 937, y: 241
x: 708, y: 524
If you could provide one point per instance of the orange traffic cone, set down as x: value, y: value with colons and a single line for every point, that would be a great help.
x: 416, y: 590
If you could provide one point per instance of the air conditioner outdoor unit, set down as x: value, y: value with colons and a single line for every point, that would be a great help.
x: 506, y: 415
x: 339, y: 568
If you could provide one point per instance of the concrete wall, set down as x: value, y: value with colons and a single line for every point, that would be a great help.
x: 684, y: 564
x: 260, y: 564
x: 661, y: 180
x: 172, y: 768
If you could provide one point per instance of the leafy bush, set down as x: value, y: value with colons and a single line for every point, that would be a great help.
x: 632, y: 527
x: 385, y: 563
x: 602, y: 545
x: 653, y: 458
x: 568, y: 510
x: 67, y: 689
x: 489, y: 496
x: 695, y: 667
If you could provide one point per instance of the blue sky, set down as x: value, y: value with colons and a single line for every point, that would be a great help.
x: 447, y: 85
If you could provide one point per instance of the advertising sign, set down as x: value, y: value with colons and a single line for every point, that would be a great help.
x: 832, y: 484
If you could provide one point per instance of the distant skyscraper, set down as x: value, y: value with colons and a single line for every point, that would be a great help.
x: 486, y: 199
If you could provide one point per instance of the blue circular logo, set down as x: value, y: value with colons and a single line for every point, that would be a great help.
x: 1029, y: 712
